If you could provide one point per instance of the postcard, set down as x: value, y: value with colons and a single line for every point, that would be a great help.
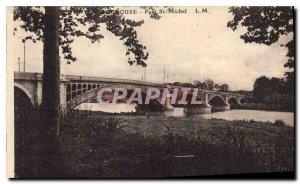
x: 150, y: 92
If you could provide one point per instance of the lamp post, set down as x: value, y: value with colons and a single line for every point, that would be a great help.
x: 19, y: 63
x: 164, y: 78
x: 24, y: 41
x: 145, y: 72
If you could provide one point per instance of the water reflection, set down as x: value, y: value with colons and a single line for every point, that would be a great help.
x: 177, y: 112
x: 108, y: 107
x: 287, y: 117
x: 256, y: 115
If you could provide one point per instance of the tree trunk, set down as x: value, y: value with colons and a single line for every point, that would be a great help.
x: 51, y: 70
x: 50, y: 95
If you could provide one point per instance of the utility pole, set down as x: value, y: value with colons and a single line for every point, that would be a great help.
x: 167, y: 78
x: 19, y: 63
x: 24, y: 41
x: 164, y: 74
x: 145, y: 72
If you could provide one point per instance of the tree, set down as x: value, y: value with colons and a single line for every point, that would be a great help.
x: 50, y: 94
x: 225, y: 87
x: 265, y: 25
x: 210, y: 84
x: 217, y: 87
x: 276, y: 84
x: 197, y: 83
x: 44, y: 29
x: 290, y: 75
x: 177, y: 83
x: 204, y: 85
x: 260, y: 89
x: 272, y: 93
x: 57, y: 27
x: 51, y: 72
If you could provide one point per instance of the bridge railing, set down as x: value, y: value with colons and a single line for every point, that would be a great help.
x: 210, y: 91
x: 27, y: 76
x: 35, y: 76
x: 116, y: 80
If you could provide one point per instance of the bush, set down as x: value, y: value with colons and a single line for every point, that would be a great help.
x: 95, y: 146
x: 279, y: 123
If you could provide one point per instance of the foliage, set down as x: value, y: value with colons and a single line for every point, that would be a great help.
x: 274, y: 93
x: 210, y: 85
x: 279, y: 122
x: 249, y: 106
x: 265, y: 25
x: 260, y: 90
x: 279, y: 101
x: 224, y: 88
x: 85, y: 22
x: 96, y: 146
x: 57, y: 27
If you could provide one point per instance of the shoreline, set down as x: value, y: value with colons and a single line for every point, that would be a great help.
x: 200, y: 116
x: 108, y: 146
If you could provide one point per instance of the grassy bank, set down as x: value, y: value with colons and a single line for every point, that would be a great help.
x: 94, y: 145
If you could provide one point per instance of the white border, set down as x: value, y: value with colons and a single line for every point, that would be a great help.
x: 3, y: 56
x: 153, y: 2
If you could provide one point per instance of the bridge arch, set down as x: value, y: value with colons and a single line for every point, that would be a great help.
x: 242, y: 100
x: 236, y: 100
x: 217, y: 100
x: 232, y: 100
x: 25, y: 91
x: 91, y: 94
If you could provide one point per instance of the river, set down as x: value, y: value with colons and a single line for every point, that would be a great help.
x: 257, y: 115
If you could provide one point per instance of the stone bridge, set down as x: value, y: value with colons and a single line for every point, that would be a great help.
x: 75, y: 90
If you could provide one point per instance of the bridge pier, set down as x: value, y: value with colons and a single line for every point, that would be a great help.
x: 38, y: 91
x: 225, y: 107
x: 63, y: 91
x: 168, y: 106
x: 39, y: 87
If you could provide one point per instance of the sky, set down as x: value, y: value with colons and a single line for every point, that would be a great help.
x: 190, y: 46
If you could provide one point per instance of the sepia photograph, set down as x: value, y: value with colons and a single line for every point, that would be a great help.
x: 150, y: 92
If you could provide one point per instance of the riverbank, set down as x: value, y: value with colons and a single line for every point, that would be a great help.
x: 94, y: 145
x: 254, y: 115
x: 263, y: 107
x: 185, y: 126
x: 137, y: 146
x: 235, y: 114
